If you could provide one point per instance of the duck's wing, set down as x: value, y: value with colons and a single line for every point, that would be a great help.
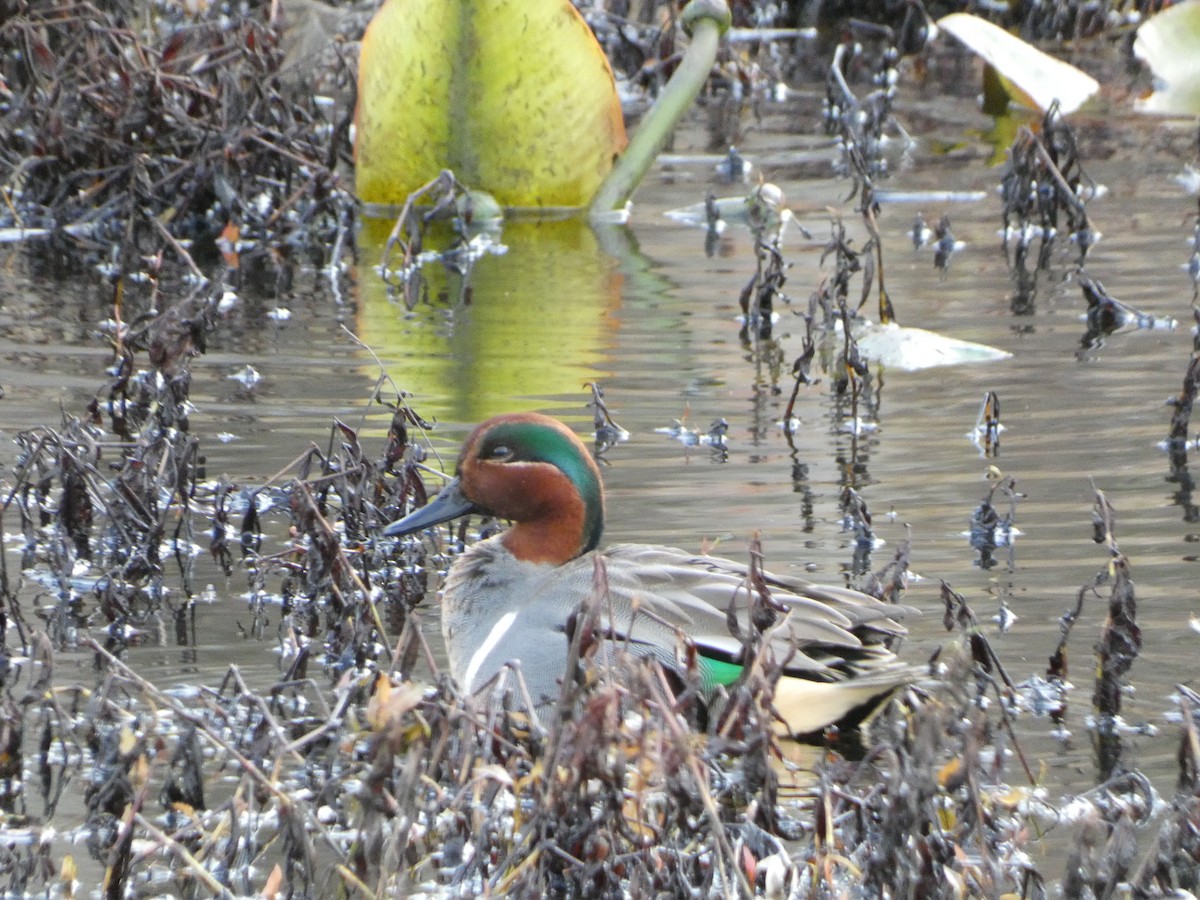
x: 829, y: 633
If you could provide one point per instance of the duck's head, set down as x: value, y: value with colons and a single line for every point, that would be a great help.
x: 533, y: 470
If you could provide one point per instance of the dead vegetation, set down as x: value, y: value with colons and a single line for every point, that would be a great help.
x: 128, y: 132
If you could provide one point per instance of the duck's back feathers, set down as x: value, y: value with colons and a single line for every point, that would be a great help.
x: 828, y: 633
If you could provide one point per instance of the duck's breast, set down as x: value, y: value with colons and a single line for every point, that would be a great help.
x: 498, y: 610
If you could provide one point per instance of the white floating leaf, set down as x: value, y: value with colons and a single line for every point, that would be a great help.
x: 728, y: 209
x: 762, y: 207
x: 1169, y: 43
x: 1039, y: 79
x: 915, y: 348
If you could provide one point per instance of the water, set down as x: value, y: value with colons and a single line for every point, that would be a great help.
x: 645, y: 312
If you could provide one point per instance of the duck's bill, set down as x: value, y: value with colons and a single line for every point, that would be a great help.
x: 448, y: 504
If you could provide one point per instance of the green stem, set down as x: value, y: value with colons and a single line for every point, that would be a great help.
x: 708, y: 21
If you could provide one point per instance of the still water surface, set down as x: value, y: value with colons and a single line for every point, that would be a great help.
x: 644, y: 311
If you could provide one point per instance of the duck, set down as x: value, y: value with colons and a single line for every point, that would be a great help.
x: 511, y: 600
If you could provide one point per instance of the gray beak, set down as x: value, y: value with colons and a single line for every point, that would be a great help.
x: 448, y: 504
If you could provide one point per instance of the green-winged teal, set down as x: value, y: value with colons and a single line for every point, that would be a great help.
x: 509, y: 598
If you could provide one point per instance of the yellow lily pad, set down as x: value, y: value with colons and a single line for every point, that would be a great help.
x: 517, y: 98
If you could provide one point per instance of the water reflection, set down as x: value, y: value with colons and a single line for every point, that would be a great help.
x: 1185, y: 485
x: 506, y: 333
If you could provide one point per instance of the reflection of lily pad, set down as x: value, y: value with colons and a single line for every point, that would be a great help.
x: 1169, y: 43
x: 900, y: 347
x: 1036, y: 78
x: 533, y: 325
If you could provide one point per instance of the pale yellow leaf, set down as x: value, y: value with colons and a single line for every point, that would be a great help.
x: 1038, y: 78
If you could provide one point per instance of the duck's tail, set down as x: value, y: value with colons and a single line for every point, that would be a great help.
x: 807, y: 707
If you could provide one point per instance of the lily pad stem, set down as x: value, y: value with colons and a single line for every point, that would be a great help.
x: 708, y: 20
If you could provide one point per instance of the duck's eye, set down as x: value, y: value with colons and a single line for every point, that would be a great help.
x: 501, y: 453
